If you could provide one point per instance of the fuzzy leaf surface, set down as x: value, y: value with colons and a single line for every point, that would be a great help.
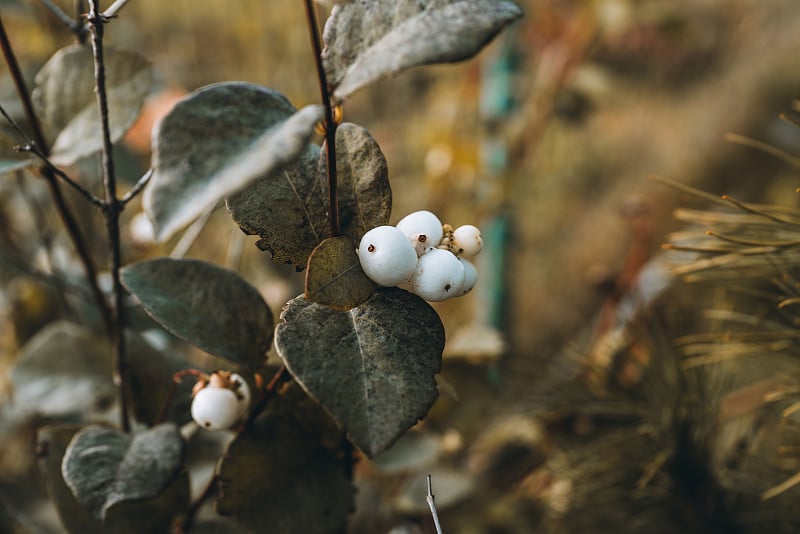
x: 372, y: 368
x: 334, y: 276
x: 286, y: 209
x: 369, y: 41
x: 65, y: 99
x: 365, y: 196
x: 213, y: 308
x: 132, y: 517
x: 63, y: 369
x: 277, y: 473
x: 289, y: 209
x: 104, y: 467
x: 214, y: 143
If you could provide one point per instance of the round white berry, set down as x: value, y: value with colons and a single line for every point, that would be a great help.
x: 470, y: 276
x: 215, y: 408
x: 222, y: 402
x: 467, y: 241
x: 423, y: 229
x: 439, y: 275
x: 386, y: 255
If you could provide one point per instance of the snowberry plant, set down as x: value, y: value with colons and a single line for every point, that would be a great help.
x: 359, y: 354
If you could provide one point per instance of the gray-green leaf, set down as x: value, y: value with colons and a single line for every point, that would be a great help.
x: 289, y: 209
x: 369, y: 41
x: 65, y: 99
x: 215, y: 142
x: 63, y: 369
x: 372, y: 367
x: 206, y: 305
x: 131, y: 517
x: 277, y: 473
x: 365, y: 196
x: 104, y: 467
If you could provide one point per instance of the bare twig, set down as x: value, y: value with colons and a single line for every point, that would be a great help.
x: 114, y: 8
x: 137, y: 188
x: 30, y: 146
x: 330, y: 124
x: 432, y: 506
x: 111, y: 213
x: 61, y: 15
x: 64, y: 212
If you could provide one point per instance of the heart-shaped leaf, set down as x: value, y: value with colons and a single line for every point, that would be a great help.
x: 334, y: 276
x: 150, y: 515
x: 276, y: 473
x: 372, y: 368
x: 65, y: 99
x: 104, y: 467
x: 289, y: 209
x: 215, y: 142
x: 63, y: 369
x: 369, y: 41
x: 206, y: 305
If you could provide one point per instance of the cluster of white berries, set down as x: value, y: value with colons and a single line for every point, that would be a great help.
x: 422, y: 255
x: 220, y: 400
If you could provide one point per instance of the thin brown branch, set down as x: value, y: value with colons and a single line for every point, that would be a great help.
x: 30, y: 146
x: 137, y: 188
x: 111, y: 213
x: 330, y: 124
x: 64, y: 212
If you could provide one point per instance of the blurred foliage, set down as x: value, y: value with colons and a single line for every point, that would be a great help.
x: 584, y: 431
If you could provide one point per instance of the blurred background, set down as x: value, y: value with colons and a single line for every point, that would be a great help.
x: 549, y: 141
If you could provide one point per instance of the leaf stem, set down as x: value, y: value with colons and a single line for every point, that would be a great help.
x: 113, y: 208
x: 137, y: 188
x: 64, y: 212
x: 330, y: 124
x: 432, y: 506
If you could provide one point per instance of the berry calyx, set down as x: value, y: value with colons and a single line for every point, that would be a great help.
x: 423, y: 229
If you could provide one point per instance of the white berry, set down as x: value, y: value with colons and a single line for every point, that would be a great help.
x: 467, y: 241
x: 215, y: 408
x: 439, y: 275
x: 221, y: 403
x: 386, y: 255
x: 470, y: 276
x: 423, y: 229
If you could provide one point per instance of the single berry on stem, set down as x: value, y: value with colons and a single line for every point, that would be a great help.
x: 220, y: 400
x: 386, y: 256
x: 439, y: 276
x: 467, y: 241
